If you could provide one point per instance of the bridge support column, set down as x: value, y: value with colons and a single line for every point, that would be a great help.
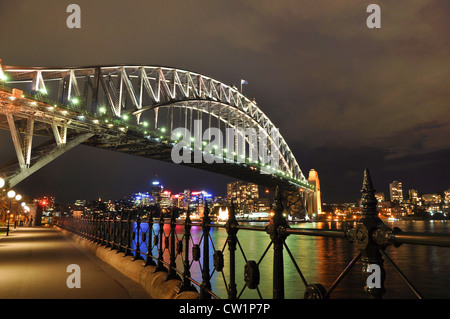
x: 26, y: 171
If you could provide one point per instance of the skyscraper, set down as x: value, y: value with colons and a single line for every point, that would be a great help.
x: 244, y: 195
x: 396, y: 191
x: 413, y: 196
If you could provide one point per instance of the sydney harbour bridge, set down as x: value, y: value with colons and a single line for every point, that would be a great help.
x: 133, y: 109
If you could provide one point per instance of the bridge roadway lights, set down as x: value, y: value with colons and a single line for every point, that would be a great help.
x: 188, y: 92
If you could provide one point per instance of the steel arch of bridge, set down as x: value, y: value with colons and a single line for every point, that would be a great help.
x: 139, y: 89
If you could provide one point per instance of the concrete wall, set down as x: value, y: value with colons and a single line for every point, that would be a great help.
x: 153, y: 282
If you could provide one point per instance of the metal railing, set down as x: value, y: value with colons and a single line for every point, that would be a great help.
x: 370, y: 235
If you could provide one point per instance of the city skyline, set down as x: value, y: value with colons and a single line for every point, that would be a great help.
x: 347, y: 112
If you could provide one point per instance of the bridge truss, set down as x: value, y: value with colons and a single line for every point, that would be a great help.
x: 132, y: 109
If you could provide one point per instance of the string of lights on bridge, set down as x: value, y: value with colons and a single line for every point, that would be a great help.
x: 122, y: 124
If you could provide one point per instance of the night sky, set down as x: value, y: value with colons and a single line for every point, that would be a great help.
x: 344, y: 96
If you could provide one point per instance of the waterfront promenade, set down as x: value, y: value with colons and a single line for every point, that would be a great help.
x: 33, y: 264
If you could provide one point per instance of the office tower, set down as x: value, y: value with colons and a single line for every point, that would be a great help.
x: 396, y: 191
x: 245, y: 196
x: 413, y: 196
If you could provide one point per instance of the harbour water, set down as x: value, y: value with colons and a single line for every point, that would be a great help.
x: 321, y: 260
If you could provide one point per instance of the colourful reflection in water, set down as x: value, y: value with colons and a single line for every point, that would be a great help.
x: 320, y: 260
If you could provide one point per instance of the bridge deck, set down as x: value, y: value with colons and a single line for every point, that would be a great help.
x: 34, y: 260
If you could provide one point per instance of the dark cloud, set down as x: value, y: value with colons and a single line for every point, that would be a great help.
x: 337, y: 90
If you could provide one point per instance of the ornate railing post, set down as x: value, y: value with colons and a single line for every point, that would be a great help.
x: 93, y: 227
x: 186, y: 284
x: 367, y: 226
x: 275, y: 229
x: 172, y: 274
x: 114, y: 231
x: 160, y: 265
x: 230, y: 226
x: 149, y: 259
x: 108, y: 231
x: 102, y: 230
x: 120, y: 233
x: 127, y: 234
x: 205, y: 286
x: 137, y: 253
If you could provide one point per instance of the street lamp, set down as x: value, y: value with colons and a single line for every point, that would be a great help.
x: 2, y: 182
x: 11, y: 195
x: 17, y: 198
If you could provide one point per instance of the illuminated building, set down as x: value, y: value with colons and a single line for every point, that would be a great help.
x: 315, y: 200
x: 379, y: 197
x: 414, y: 196
x: 396, y: 191
x: 164, y: 200
x: 179, y: 201
x: 80, y: 202
x: 447, y: 196
x: 431, y: 199
x: 156, y: 190
x: 141, y: 199
x: 245, y: 196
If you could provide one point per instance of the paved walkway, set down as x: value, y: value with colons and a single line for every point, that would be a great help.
x: 33, y: 264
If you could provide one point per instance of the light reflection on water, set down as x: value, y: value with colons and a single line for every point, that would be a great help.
x: 321, y: 260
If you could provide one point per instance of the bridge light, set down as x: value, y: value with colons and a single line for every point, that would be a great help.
x: 125, y: 117
x: 145, y: 124
x: 11, y: 194
x: 3, y: 77
x: 102, y: 110
x: 95, y: 121
x: 75, y: 101
x: 163, y: 129
x: 43, y: 90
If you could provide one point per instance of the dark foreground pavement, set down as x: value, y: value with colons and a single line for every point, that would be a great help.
x: 33, y: 264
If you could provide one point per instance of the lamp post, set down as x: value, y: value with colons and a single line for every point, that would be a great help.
x: 23, y: 204
x: 2, y: 183
x: 11, y: 195
x: 17, y: 198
